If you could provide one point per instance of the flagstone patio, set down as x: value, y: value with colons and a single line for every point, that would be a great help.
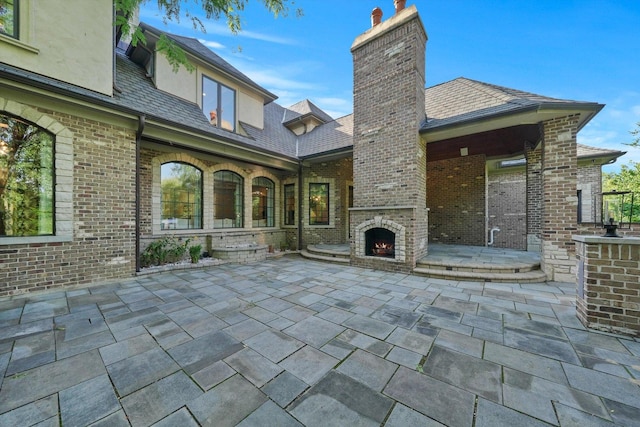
x: 290, y: 342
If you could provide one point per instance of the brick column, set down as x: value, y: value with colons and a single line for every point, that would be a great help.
x: 534, y: 197
x: 608, y: 292
x: 560, y: 201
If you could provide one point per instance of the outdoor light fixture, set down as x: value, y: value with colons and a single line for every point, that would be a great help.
x: 611, y: 229
x: 619, y: 207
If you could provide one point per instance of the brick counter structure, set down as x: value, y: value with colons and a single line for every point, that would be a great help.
x: 608, y: 284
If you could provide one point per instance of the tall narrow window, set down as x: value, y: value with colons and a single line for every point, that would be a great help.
x: 290, y: 204
x: 263, y: 201
x: 219, y: 104
x: 319, y: 204
x: 9, y: 17
x: 579, y: 206
x: 181, y: 200
x: 26, y: 179
x: 227, y: 200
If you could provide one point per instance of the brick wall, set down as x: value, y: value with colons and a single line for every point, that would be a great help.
x: 590, y: 185
x: 101, y: 194
x: 339, y: 175
x: 608, y: 289
x: 389, y: 158
x: 559, y: 213
x: 534, y: 197
x: 632, y: 230
x: 456, y: 199
x: 507, y: 209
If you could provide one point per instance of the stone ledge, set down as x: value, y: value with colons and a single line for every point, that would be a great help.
x: 608, y: 240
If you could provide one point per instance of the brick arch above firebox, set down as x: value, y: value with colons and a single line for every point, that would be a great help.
x: 387, y: 224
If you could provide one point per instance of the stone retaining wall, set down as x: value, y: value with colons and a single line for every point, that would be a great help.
x: 241, y: 254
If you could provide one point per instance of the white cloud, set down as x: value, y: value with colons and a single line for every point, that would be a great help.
x: 220, y: 28
x: 211, y: 44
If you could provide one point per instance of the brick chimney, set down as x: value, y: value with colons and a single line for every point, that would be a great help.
x: 389, y: 157
x: 376, y: 16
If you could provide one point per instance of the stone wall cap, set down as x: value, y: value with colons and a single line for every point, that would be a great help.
x: 396, y: 20
x: 608, y: 240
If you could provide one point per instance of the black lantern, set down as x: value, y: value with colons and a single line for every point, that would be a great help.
x: 617, y: 206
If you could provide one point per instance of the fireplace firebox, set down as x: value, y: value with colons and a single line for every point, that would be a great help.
x: 380, y: 242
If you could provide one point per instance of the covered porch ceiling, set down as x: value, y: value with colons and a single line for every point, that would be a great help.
x: 507, y: 141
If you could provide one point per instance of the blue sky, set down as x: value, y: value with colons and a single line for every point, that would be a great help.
x: 584, y: 50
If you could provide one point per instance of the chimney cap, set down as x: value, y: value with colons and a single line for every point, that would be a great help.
x: 376, y: 16
x: 399, y: 4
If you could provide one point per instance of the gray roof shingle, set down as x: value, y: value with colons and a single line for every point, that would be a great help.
x: 463, y: 99
x: 332, y: 136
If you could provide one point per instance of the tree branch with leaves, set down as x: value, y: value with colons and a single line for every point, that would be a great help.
x: 175, y: 10
x: 636, y: 136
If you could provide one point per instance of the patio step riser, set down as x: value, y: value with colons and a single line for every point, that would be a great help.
x: 513, y: 269
x: 526, y: 277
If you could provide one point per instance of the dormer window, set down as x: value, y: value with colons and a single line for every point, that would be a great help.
x: 219, y: 104
x: 9, y: 18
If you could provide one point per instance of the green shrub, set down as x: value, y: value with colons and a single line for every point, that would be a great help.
x: 163, y: 251
x: 195, y: 252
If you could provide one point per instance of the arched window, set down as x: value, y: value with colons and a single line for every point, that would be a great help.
x: 263, y: 202
x: 227, y: 200
x: 181, y: 200
x: 26, y: 178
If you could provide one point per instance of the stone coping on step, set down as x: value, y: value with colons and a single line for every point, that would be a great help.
x: 608, y: 240
x: 238, y: 248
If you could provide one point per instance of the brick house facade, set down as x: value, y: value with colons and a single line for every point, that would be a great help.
x: 122, y: 123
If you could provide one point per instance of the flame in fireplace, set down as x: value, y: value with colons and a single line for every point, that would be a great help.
x: 383, y: 245
x: 383, y: 248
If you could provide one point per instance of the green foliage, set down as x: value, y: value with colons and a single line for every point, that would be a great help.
x: 636, y: 135
x: 195, y: 252
x: 174, y: 10
x: 628, y: 179
x: 164, y: 251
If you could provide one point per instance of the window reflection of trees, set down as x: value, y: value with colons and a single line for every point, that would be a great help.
x: 26, y: 178
x: 263, y: 200
x: 181, y: 201
x: 228, y: 199
x: 319, y: 204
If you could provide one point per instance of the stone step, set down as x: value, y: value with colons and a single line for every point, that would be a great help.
x: 534, y: 276
x: 512, y: 267
x: 338, y: 258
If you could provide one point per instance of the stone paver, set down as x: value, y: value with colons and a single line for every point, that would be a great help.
x: 291, y: 342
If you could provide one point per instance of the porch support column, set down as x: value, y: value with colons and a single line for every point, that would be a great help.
x: 560, y: 200
x: 533, y: 155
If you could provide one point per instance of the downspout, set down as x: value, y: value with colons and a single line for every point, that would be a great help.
x: 491, y: 239
x: 300, y: 204
x: 141, y: 123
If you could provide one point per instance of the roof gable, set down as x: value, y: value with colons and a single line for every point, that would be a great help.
x: 208, y: 57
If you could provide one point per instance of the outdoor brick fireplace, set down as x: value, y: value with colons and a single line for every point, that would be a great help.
x: 381, y: 238
x: 388, y: 219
